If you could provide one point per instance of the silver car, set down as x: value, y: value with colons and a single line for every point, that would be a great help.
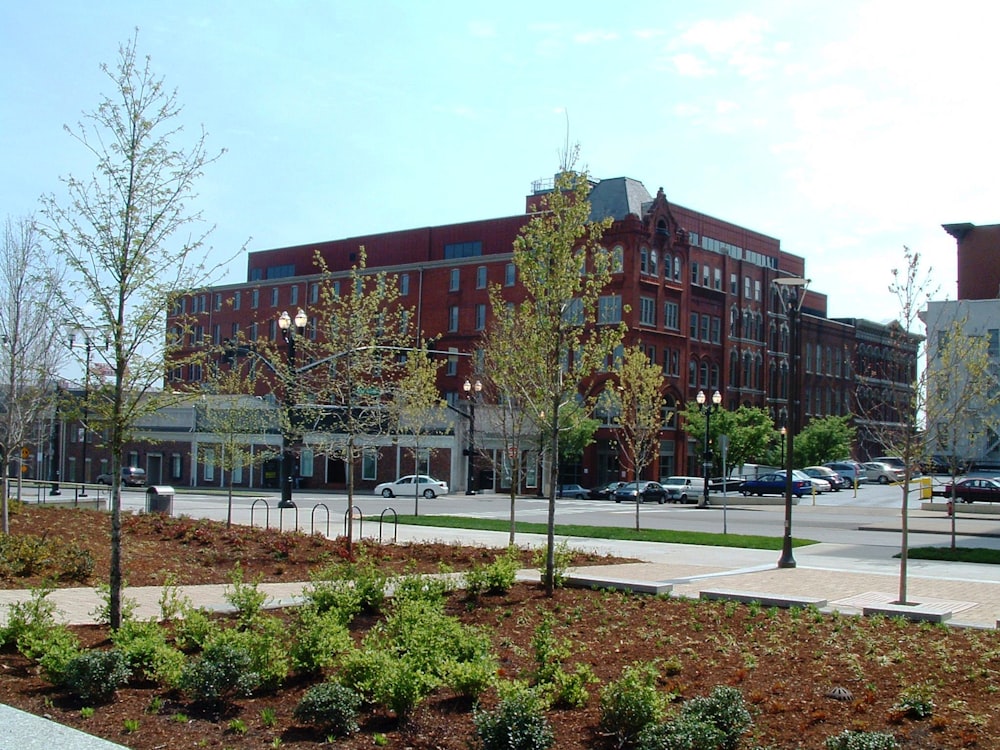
x: 883, y: 473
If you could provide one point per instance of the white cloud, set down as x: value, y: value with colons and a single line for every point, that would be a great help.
x: 686, y: 64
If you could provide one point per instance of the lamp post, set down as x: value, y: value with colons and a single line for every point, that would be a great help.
x: 289, y: 334
x: 707, y: 455
x: 88, y: 347
x: 784, y: 432
x: 472, y: 391
x: 792, y: 293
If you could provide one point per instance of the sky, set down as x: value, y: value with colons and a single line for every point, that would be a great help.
x: 846, y: 129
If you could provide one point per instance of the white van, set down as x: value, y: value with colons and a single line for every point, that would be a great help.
x: 684, y: 489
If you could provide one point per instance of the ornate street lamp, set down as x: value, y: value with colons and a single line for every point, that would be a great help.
x: 792, y: 293
x: 472, y: 391
x: 707, y: 455
x: 289, y: 334
x: 784, y: 432
x: 88, y: 346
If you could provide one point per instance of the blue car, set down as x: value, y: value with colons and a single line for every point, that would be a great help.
x: 773, y: 484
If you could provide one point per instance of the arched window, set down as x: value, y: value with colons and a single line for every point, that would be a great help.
x: 703, y: 381
x: 715, y: 376
x: 693, y: 373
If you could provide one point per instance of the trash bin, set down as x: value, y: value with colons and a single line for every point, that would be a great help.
x: 160, y: 499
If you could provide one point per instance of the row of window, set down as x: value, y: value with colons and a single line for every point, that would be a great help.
x: 835, y: 362
x: 455, y: 278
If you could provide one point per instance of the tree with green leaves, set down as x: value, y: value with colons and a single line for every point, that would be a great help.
x: 750, y: 430
x: 128, y: 240
x: 237, y: 421
x: 29, y: 353
x: 635, y: 395
x: 824, y: 439
x: 417, y: 409
x: 571, y: 325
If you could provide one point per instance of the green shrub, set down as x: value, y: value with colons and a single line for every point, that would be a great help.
x: 517, y: 723
x: 147, y: 653
x: 568, y: 689
x: 849, y: 740
x: 25, y: 555
x: 362, y: 668
x: 332, y: 707
x: 102, y: 612
x: 37, y: 613
x: 724, y: 709
x: 350, y: 587
x: 53, y: 648
x: 320, y: 638
x: 470, y: 679
x: 246, y: 598
x: 682, y: 733
x: 496, y: 578
x: 562, y: 557
x: 631, y: 703
x: 916, y: 701
x: 94, y: 675
x: 433, y: 589
x: 194, y: 628
x: 266, y: 645
x: 224, y: 670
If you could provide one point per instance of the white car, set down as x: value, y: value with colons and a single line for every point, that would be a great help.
x: 818, y: 485
x: 411, y: 485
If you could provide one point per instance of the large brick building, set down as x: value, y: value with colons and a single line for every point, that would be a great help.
x: 694, y: 290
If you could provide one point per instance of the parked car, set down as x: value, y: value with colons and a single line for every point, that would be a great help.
x: 605, y: 491
x: 684, y: 489
x: 883, y: 473
x: 132, y: 476
x: 572, y: 490
x: 774, y: 484
x: 818, y: 483
x: 410, y: 485
x: 644, y: 490
x: 851, y: 471
x: 972, y: 489
x: 896, y: 462
x: 836, y: 481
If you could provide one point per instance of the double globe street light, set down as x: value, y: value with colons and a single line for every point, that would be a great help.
x: 289, y: 334
x: 707, y: 455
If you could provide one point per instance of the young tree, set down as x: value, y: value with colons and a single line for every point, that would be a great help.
x: 417, y: 408
x: 238, y: 420
x: 824, y: 439
x: 353, y: 366
x: 570, y: 331
x: 636, y: 397
x: 29, y: 355
x: 123, y: 236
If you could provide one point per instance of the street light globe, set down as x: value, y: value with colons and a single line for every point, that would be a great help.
x: 284, y: 321
x: 716, y: 398
x: 300, y: 318
x: 700, y: 398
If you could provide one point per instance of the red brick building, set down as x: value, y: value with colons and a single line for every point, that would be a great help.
x: 694, y: 290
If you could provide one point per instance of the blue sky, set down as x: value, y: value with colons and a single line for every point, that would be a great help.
x: 845, y: 129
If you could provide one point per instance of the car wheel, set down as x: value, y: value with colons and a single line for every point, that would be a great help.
x: 883, y: 479
x: 617, y: 500
x: 746, y: 493
x: 429, y: 494
x: 386, y: 492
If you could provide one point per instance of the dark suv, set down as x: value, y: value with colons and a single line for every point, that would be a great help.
x: 132, y: 476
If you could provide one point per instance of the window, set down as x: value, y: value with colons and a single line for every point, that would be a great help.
x: 706, y: 276
x: 654, y: 269
x: 216, y: 334
x: 455, y: 250
x: 671, y: 316
x: 703, y: 370
x: 609, y: 309
x: 255, y: 299
x: 756, y: 290
x: 313, y: 293
x: 453, y: 280
x: 509, y: 274
x: 705, y: 327
x: 716, y: 334
x: 717, y: 283
x: 481, y: 277
x: 209, y: 464
x: 617, y: 259
x: 694, y: 273
x: 274, y: 297
x: 293, y: 298
x: 693, y: 374
x: 644, y: 260
x: 369, y: 464
x: 451, y: 368
x: 453, y: 318
x: 218, y: 302
x: 693, y: 333
x: 746, y: 287
x: 480, y: 317
x: 237, y: 298
x: 734, y: 284
x: 647, y: 311
x: 176, y: 466
x: 404, y: 284
x: 677, y: 268
x: 253, y: 331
